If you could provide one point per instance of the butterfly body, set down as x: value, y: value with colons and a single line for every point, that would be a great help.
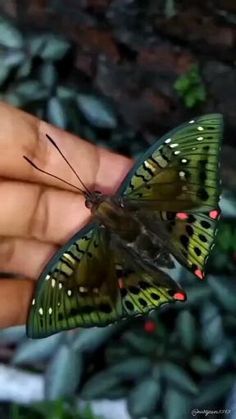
x: 167, y: 206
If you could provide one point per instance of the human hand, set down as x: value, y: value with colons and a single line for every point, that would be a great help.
x: 38, y: 213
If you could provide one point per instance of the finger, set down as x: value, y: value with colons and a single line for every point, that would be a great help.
x: 15, y: 298
x: 26, y: 257
x: 22, y: 134
x: 36, y: 212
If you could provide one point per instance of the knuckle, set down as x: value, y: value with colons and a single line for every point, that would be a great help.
x: 39, y: 221
x: 7, y: 251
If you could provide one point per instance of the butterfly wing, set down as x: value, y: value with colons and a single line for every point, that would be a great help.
x: 176, y: 186
x: 77, y: 288
x: 179, y: 172
x: 85, y: 284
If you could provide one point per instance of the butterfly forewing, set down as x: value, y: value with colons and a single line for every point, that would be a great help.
x: 179, y: 172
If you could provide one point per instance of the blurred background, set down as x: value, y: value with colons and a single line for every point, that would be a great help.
x: 121, y: 73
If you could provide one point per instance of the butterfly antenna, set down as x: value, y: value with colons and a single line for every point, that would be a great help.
x: 50, y: 174
x: 71, y: 167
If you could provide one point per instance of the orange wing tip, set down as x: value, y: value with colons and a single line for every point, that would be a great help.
x: 200, y: 274
x: 180, y: 296
x: 182, y: 215
x: 214, y: 214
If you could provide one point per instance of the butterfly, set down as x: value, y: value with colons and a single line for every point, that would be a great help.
x: 166, y: 208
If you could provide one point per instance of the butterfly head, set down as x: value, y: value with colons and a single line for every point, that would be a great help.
x: 93, y: 200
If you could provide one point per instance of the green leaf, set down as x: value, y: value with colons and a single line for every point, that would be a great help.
x: 144, y: 398
x: 89, y: 340
x: 48, y: 47
x: 178, y: 377
x: 212, y: 329
x: 48, y: 75
x: 224, y: 290
x: 96, y: 111
x: 55, y: 48
x: 99, y: 385
x: 13, y: 99
x: 55, y: 113
x: 132, y: 368
x: 12, y: 334
x: 65, y: 93
x: 197, y: 294
x: 10, y: 36
x: 222, y: 353
x: 30, y: 90
x: 215, y: 390
x: 190, y: 87
x: 63, y: 373
x: 33, y: 351
x: 12, y: 58
x: 201, y: 365
x: 176, y: 404
x: 4, y: 71
x: 25, y: 69
x: 186, y: 327
x: 142, y: 343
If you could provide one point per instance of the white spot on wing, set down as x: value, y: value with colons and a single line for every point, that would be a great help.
x: 168, y: 140
x: 184, y: 161
x: 53, y: 282
x: 60, y: 285
x: 50, y: 310
x: 176, y: 152
x: 174, y: 145
x: 69, y: 293
x: 199, y: 138
x: 192, y: 121
x: 41, y: 311
x: 200, y: 128
x: 33, y: 302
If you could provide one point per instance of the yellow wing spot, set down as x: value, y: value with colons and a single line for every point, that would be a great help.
x: 149, y: 166
x: 83, y: 289
x: 69, y: 258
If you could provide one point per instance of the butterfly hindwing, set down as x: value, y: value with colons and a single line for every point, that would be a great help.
x: 192, y: 238
x: 143, y: 291
x: 179, y: 172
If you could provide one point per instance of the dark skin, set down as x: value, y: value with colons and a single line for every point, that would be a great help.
x: 38, y: 213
